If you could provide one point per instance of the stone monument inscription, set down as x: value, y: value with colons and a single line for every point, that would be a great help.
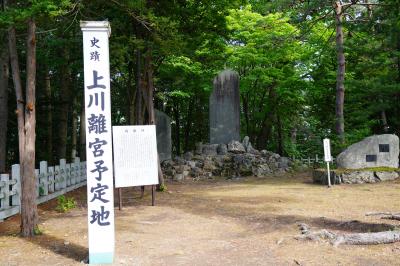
x: 163, y: 130
x: 225, y: 108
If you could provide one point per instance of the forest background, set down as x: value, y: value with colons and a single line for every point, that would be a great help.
x: 308, y: 70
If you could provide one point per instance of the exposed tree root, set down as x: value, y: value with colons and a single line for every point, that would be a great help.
x: 335, y: 239
x: 381, y: 213
x: 385, y: 215
x: 392, y: 217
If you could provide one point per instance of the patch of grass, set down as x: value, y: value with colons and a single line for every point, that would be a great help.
x: 37, y: 231
x: 162, y: 188
x: 370, y: 169
x: 65, y: 204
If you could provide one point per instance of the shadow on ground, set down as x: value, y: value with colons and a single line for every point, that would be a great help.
x: 60, y: 247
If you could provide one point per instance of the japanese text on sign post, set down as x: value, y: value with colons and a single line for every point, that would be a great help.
x: 98, y: 141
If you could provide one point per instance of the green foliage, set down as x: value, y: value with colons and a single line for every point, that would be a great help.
x: 162, y: 188
x: 65, y: 204
x: 37, y: 231
x: 284, y: 52
x: 41, y: 191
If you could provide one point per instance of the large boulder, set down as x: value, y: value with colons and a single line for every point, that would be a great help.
x: 385, y: 176
x: 358, y: 177
x: 373, y: 151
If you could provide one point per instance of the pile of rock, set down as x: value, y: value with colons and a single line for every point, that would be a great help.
x: 233, y: 160
x: 360, y: 176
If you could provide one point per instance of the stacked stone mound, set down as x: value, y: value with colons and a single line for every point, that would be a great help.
x: 354, y: 176
x: 233, y: 160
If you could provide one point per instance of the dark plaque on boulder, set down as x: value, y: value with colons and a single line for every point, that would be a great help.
x: 384, y: 148
x: 370, y: 158
x: 163, y: 130
x: 225, y: 108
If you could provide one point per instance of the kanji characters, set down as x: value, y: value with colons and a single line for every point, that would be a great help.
x: 100, y: 217
x: 97, y: 147
x: 94, y: 42
x: 95, y: 56
x: 100, y: 169
x: 98, y: 193
x: 96, y: 100
x: 97, y: 123
x: 95, y: 79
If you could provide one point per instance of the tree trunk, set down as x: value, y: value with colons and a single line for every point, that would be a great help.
x: 266, y: 125
x: 4, y: 72
x: 150, y: 106
x: 49, y: 119
x: 12, y: 46
x: 74, y: 130
x: 138, y: 112
x: 293, y: 135
x: 336, y: 239
x: 131, y: 92
x: 340, y: 73
x: 280, y: 135
x: 64, y: 103
x: 384, y: 121
x: 188, y: 126
x: 245, y: 100
x: 29, y: 215
x: 177, y: 128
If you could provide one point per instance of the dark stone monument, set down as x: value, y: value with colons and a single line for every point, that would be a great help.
x: 225, y: 108
x: 163, y: 130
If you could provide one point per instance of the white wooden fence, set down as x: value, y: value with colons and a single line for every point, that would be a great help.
x: 311, y: 160
x: 51, y: 182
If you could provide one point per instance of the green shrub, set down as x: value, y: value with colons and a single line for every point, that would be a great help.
x: 37, y: 231
x: 162, y: 188
x: 65, y: 204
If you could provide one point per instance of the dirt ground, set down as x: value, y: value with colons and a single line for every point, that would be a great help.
x: 249, y: 221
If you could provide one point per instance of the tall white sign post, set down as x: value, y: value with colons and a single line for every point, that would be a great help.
x: 100, y: 186
x: 328, y: 158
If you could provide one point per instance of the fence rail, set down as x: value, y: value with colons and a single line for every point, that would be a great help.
x: 309, y: 161
x: 51, y: 182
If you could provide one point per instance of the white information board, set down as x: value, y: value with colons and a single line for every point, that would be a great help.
x: 135, y: 155
x: 327, y: 150
x: 100, y: 188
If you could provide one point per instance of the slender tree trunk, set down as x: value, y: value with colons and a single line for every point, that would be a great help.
x: 266, y: 125
x: 49, y: 119
x: 340, y: 72
x: 64, y: 103
x: 384, y: 121
x: 150, y: 105
x: 131, y: 92
x: 280, y: 135
x: 177, y: 128
x: 188, y: 126
x: 18, y: 94
x: 74, y: 134
x: 82, y: 132
x: 139, y: 96
x: 293, y: 135
x: 245, y: 100
x: 4, y: 72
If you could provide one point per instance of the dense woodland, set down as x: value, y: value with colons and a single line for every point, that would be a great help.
x: 308, y: 70
x: 299, y: 80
